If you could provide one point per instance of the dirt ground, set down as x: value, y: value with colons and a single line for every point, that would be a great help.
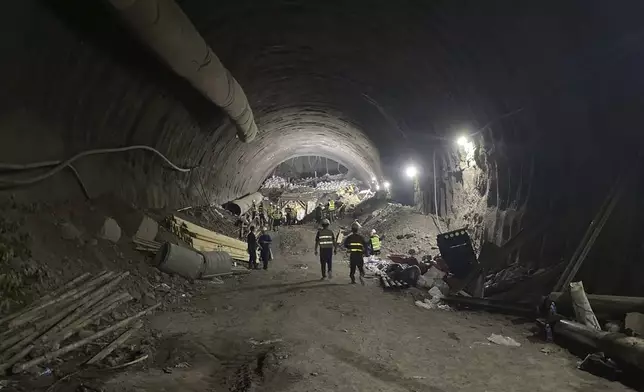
x: 285, y: 330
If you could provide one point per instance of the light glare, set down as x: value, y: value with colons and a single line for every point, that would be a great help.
x: 411, y: 171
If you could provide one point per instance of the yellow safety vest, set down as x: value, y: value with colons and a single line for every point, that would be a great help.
x: 331, y: 205
x: 277, y: 214
x: 375, y: 242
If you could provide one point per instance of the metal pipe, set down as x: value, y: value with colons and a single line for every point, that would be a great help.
x: 525, y: 310
x: 618, y: 346
x: 162, y: 25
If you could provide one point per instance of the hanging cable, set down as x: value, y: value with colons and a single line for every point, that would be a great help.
x: 60, y: 165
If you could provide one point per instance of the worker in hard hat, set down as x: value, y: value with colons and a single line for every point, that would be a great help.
x: 356, y: 246
x: 318, y: 213
x: 265, y: 241
x: 374, y: 243
x: 331, y: 209
x: 325, y: 240
x: 277, y: 218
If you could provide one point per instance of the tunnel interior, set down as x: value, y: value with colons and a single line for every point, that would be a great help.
x: 548, y: 93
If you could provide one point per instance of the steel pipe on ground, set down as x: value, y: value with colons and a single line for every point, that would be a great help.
x: 627, y: 349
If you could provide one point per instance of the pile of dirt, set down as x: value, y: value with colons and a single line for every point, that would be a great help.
x: 406, y: 231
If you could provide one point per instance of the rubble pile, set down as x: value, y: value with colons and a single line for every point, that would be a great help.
x: 277, y: 182
x: 405, y: 230
x: 325, y: 183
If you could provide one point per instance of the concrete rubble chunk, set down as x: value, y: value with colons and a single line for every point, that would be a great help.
x: 110, y: 231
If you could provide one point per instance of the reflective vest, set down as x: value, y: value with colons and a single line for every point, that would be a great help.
x: 331, y: 205
x: 375, y: 242
x: 355, y: 244
x: 277, y: 214
x: 326, y: 238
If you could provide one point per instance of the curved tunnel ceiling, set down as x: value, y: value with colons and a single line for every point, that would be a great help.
x: 356, y: 80
x: 365, y: 83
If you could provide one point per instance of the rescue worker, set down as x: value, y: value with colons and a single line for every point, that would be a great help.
x: 331, y: 208
x: 260, y: 212
x: 289, y: 215
x: 277, y: 219
x: 318, y: 214
x: 374, y: 243
x: 265, y: 241
x: 356, y: 245
x: 251, y: 240
x: 325, y: 240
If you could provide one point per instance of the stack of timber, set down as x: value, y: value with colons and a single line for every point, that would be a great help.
x: 146, y: 245
x: 205, y: 240
x: 45, y: 330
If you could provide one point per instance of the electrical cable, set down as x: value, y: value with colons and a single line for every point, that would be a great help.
x: 60, y: 165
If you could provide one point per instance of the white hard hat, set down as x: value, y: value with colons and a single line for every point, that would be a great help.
x: 373, y: 231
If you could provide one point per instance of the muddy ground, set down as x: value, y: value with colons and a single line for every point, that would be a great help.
x: 285, y: 330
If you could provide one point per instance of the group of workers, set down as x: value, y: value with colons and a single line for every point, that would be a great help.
x: 271, y: 217
x: 355, y: 244
x: 331, y: 211
x: 326, y: 241
x: 261, y: 244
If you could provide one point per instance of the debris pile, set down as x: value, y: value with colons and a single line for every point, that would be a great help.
x: 67, y: 320
x: 406, y: 231
x: 325, y: 183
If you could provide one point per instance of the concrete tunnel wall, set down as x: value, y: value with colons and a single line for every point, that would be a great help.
x: 551, y: 91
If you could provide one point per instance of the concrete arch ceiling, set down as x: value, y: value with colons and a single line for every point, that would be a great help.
x: 382, y: 79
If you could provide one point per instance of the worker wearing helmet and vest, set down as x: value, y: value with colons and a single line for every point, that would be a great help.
x: 374, y: 243
x: 325, y: 240
x: 331, y: 209
x: 356, y: 245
